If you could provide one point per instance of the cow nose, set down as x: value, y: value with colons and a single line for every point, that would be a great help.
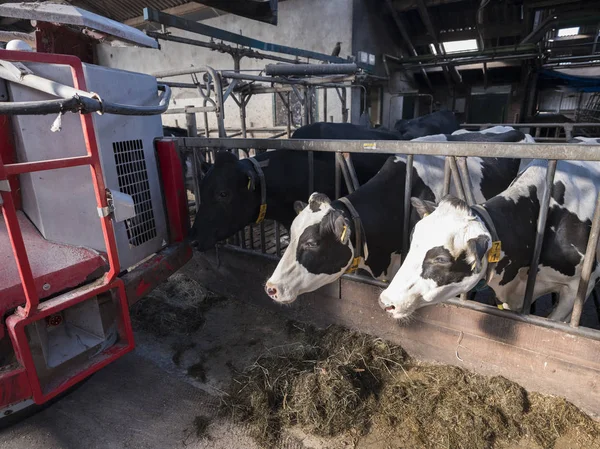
x: 271, y: 290
x: 384, y: 304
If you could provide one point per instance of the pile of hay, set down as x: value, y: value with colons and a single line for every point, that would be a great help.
x: 337, y: 381
x: 176, y: 307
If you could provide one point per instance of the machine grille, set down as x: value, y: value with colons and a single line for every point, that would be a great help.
x: 133, y: 181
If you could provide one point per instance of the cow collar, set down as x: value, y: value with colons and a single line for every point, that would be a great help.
x: 495, y: 251
x: 361, y: 241
x: 263, y: 186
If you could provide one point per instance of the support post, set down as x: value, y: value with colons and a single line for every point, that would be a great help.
x: 407, y: 194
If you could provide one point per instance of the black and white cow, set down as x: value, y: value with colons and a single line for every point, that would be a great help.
x: 323, y: 234
x: 449, y: 249
x: 440, y: 122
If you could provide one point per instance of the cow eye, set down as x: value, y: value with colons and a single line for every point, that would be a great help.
x: 441, y: 260
x: 224, y: 193
x: 310, y: 244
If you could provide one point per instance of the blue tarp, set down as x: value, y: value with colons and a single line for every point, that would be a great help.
x: 580, y: 83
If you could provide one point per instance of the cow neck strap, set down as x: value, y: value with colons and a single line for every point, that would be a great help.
x: 495, y: 250
x: 360, y: 238
x: 263, y: 187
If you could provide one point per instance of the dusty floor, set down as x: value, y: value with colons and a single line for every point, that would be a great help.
x: 153, y: 398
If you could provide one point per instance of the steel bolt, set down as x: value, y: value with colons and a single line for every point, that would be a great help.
x: 46, y: 287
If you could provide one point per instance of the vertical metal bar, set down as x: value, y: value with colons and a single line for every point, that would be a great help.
x: 351, y: 171
x: 325, y: 104
x: 539, y: 238
x: 289, y: 116
x: 311, y: 172
x: 242, y: 106
x: 407, y: 194
x: 466, y: 179
x: 277, y: 239
x: 190, y: 124
x: 338, y: 178
x: 344, y: 109
x: 196, y: 170
x: 456, y: 178
x: 447, y: 176
x: 344, y: 168
x: 588, y: 264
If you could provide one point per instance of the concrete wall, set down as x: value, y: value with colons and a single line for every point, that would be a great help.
x: 309, y: 24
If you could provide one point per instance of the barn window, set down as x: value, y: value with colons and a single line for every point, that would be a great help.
x: 564, y: 32
x: 459, y: 46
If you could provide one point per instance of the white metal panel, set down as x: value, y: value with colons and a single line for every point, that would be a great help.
x: 61, y: 203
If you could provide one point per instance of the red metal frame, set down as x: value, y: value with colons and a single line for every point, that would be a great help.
x: 33, y: 311
x: 9, y: 155
x: 173, y: 188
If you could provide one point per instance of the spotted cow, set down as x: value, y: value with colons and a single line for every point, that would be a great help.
x: 323, y: 235
x: 450, y: 245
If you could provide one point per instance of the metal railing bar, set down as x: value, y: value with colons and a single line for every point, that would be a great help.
x: 558, y: 151
x: 588, y: 265
x: 407, y: 194
x: 539, y: 237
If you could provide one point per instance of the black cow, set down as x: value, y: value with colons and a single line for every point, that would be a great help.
x: 227, y: 205
x: 441, y: 122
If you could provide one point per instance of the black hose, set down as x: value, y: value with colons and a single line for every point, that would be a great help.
x: 84, y: 105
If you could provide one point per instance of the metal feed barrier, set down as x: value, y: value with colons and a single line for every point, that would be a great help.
x: 456, y: 172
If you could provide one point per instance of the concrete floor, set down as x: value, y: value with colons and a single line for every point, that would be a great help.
x: 146, y: 400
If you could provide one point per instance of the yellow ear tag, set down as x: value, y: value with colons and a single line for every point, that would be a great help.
x: 343, y: 236
x: 494, y: 253
x: 500, y: 306
x: 249, y: 182
x: 262, y: 213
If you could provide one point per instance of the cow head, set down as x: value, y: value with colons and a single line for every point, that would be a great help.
x: 319, y: 252
x: 229, y: 200
x: 446, y: 258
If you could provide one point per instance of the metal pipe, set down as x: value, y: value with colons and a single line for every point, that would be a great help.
x: 310, y: 69
x: 13, y: 74
x: 338, y: 178
x: 344, y: 169
x: 588, y: 265
x: 539, y: 237
x: 447, y: 176
x: 351, y: 172
x: 516, y: 150
x: 189, y: 109
x: 407, y: 194
x: 456, y: 177
x: 466, y: 179
x: 190, y: 124
x: 311, y: 172
x: 220, y: 47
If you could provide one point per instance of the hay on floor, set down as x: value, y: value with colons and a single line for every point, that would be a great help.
x: 176, y: 307
x: 337, y: 381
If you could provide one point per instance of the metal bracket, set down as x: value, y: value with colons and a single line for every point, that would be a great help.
x: 120, y: 205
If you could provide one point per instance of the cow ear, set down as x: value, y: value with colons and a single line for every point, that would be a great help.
x: 224, y: 157
x: 316, y: 200
x: 299, y: 206
x: 336, y: 223
x: 423, y: 207
x: 476, y: 251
